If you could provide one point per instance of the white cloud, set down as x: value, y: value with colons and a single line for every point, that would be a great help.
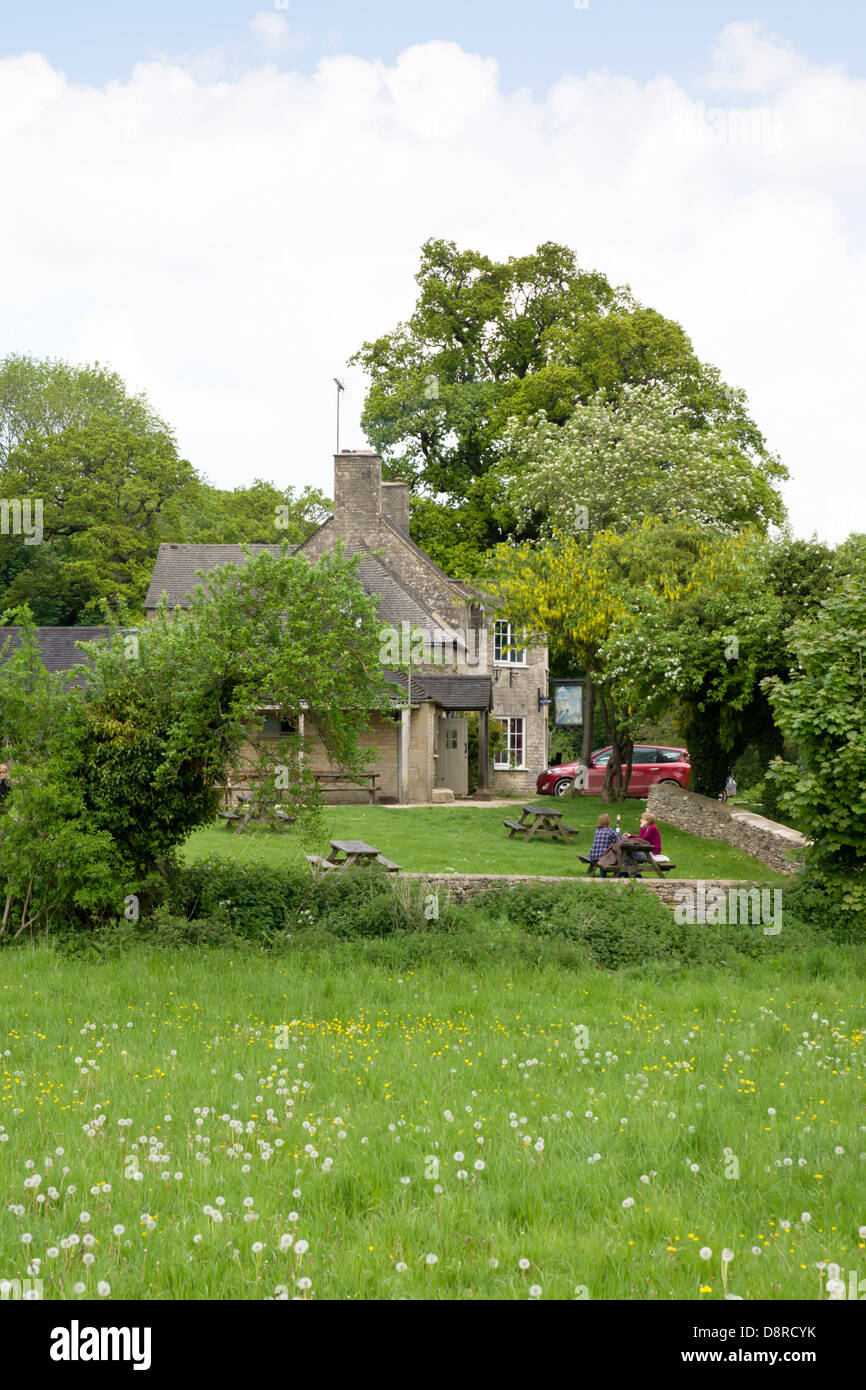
x: 748, y: 58
x: 227, y: 240
x: 274, y: 33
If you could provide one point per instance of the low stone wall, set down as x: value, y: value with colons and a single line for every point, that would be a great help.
x: 462, y: 886
x: 777, y: 846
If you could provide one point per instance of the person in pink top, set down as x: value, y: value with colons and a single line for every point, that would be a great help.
x: 649, y: 831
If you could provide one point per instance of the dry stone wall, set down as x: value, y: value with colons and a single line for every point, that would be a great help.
x: 777, y: 846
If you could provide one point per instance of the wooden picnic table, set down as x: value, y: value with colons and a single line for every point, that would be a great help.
x: 347, y: 853
x: 540, y: 820
x: 630, y: 866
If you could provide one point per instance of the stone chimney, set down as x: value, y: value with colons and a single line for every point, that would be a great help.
x: 395, y: 504
x: 357, y: 489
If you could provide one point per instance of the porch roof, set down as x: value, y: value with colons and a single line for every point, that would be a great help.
x: 449, y: 692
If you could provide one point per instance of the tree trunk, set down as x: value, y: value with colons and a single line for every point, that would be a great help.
x: 588, y: 716
x: 618, y: 773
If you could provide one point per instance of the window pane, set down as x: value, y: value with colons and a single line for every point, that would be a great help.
x: 644, y: 755
x: 517, y: 740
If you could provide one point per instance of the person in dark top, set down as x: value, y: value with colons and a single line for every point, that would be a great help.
x: 602, y: 840
x: 5, y: 784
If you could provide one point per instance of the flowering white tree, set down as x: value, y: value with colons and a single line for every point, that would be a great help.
x: 613, y: 464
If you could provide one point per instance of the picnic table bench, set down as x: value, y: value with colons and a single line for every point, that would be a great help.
x: 540, y: 820
x: 630, y: 867
x: 347, y: 853
x: 327, y: 781
x: 235, y: 819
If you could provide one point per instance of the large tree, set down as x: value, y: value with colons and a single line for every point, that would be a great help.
x: 40, y: 397
x: 105, y: 469
x: 493, y: 340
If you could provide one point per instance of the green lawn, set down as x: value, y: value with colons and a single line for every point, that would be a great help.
x: 456, y: 839
x: 209, y: 1124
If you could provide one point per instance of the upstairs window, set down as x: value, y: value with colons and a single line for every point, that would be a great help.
x: 505, y: 650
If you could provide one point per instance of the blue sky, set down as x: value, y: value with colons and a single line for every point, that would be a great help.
x: 535, y: 41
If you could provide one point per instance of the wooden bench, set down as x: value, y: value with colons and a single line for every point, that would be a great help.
x: 629, y: 870
x: 325, y: 779
x: 316, y: 861
x: 387, y: 864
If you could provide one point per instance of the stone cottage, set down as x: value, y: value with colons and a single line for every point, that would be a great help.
x: 462, y: 657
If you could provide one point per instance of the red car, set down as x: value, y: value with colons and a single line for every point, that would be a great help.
x: 649, y: 765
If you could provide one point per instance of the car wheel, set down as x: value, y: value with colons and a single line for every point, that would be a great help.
x: 562, y: 786
x: 668, y: 782
x: 723, y: 796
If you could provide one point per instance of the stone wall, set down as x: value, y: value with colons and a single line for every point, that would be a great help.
x: 776, y: 845
x: 462, y: 886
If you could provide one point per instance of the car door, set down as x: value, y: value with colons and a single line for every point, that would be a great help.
x: 596, y: 770
x: 644, y: 770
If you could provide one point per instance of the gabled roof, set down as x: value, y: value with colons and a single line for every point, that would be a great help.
x: 176, y: 571
x: 57, y: 645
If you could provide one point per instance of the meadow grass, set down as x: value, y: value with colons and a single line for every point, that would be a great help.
x: 706, y: 1109
x: 458, y: 839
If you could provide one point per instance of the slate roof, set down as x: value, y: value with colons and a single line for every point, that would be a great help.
x: 57, y: 644
x: 176, y: 568
x: 449, y: 692
x: 177, y: 565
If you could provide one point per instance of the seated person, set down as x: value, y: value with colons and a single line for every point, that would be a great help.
x: 649, y: 831
x: 602, y: 840
x: 5, y: 784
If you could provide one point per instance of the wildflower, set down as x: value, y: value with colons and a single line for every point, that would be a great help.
x: 806, y: 1217
x: 118, y: 1230
x: 103, y: 1288
x: 727, y: 1256
x: 401, y: 1267
x: 535, y: 1291
x: 458, y: 1157
x: 79, y: 1287
x: 305, y: 1284
x: 431, y: 1259
x: 523, y: 1264
x: 301, y: 1247
x: 478, y: 1165
x: 705, y: 1252
x: 257, y: 1247
x: 628, y: 1202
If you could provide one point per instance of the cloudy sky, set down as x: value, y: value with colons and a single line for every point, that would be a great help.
x: 223, y: 201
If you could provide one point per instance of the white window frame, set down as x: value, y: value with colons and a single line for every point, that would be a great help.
x: 515, y: 656
x: 508, y: 766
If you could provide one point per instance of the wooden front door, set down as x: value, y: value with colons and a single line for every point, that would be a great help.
x: 452, y: 764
